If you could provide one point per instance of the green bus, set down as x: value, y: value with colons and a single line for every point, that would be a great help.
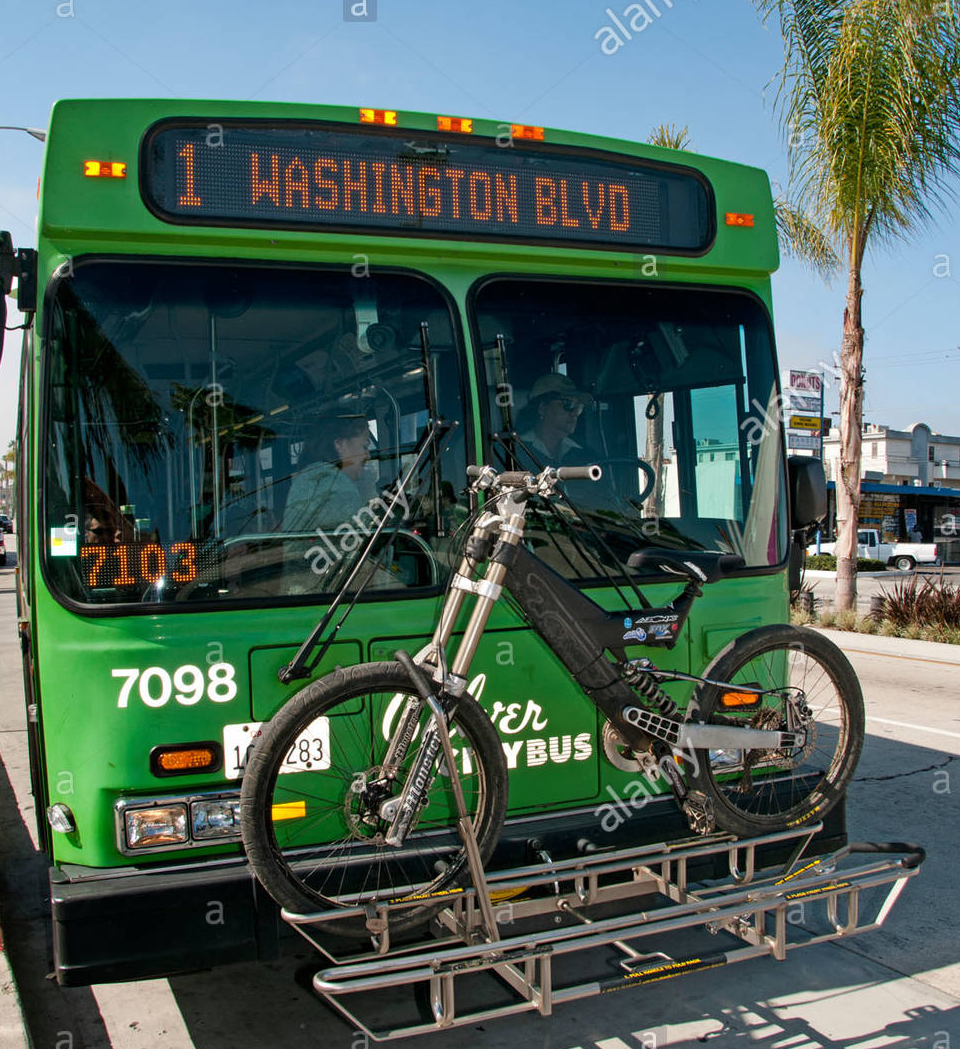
x: 246, y: 322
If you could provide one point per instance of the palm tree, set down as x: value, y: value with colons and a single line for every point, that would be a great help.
x: 870, y: 93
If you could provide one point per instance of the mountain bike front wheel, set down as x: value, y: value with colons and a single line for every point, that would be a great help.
x: 808, y: 685
x: 313, y: 788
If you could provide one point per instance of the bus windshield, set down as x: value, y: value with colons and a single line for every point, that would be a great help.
x: 220, y: 432
x: 682, y: 380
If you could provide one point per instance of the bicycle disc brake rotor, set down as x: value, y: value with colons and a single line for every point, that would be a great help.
x: 771, y: 719
x: 361, y: 804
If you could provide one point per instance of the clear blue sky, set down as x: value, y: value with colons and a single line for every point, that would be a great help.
x: 705, y: 63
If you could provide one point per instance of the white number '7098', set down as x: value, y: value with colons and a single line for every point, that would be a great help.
x: 187, y: 684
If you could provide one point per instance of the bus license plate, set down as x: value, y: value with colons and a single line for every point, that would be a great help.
x: 310, y: 751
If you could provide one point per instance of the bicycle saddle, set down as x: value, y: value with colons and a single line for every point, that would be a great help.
x: 702, y: 566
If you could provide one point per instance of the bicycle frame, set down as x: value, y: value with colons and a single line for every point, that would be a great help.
x: 578, y: 632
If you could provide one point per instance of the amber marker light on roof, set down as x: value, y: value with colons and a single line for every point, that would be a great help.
x: 104, y: 169
x: 462, y: 124
x: 526, y: 131
x: 379, y: 116
x: 737, y: 218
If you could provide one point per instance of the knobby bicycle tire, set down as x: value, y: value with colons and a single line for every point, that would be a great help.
x: 308, y: 833
x: 759, y: 792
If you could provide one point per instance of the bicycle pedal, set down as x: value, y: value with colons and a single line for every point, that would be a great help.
x: 698, y: 809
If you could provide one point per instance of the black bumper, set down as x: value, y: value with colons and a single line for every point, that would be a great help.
x: 117, y: 926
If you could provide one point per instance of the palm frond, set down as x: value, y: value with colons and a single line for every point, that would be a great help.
x: 870, y: 97
x: 670, y: 137
x: 801, y: 238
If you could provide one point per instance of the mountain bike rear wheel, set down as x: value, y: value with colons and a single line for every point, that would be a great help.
x: 809, y: 684
x: 312, y: 791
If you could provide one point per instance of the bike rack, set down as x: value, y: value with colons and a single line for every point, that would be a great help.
x: 590, y: 903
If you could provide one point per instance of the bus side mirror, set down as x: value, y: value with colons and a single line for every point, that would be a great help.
x: 7, y: 261
x: 21, y: 264
x: 808, y: 491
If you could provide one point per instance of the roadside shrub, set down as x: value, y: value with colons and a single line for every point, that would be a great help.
x: 847, y: 619
x: 928, y: 604
x: 889, y: 628
x: 828, y: 619
x: 828, y: 563
x: 866, y: 625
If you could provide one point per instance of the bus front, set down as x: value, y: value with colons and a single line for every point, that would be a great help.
x: 249, y: 319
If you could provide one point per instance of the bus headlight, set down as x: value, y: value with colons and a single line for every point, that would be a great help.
x: 61, y: 818
x: 217, y: 818
x: 148, y: 828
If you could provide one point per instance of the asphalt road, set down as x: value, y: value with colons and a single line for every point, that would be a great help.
x: 896, y: 987
x: 825, y: 586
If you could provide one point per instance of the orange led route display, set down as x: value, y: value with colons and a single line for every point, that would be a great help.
x: 125, y: 565
x: 349, y: 179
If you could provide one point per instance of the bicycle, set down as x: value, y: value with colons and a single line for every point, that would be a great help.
x: 373, y: 784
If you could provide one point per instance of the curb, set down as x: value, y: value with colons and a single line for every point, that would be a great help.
x: 889, y: 573
x: 13, y: 1029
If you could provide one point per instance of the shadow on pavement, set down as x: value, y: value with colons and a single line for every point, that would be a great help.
x: 833, y: 996
x: 50, y: 1011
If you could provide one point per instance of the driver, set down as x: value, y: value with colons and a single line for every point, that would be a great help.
x: 550, y: 419
x: 548, y: 429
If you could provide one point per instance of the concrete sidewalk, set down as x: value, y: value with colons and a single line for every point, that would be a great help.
x: 13, y: 1032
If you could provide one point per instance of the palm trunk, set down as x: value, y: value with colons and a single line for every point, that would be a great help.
x: 654, y: 456
x: 851, y: 426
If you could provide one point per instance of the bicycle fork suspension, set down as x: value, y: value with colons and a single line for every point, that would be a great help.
x: 402, y: 810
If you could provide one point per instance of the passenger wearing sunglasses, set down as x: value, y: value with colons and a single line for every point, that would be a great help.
x: 550, y: 419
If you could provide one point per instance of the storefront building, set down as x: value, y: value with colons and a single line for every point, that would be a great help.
x: 910, y: 485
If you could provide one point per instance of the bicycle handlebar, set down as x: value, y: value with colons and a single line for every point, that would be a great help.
x: 525, y: 478
x: 579, y: 473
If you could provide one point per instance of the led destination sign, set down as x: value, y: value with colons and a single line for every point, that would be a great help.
x: 336, y: 178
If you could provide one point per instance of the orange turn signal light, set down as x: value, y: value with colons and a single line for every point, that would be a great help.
x: 178, y: 759
x: 526, y: 131
x: 104, y: 169
x: 737, y: 218
x: 461, y: 124
x: 740, y: 699
x: 379, y: 116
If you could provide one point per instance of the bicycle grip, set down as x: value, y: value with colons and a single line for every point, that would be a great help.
x: 579, y: 473
x: 474, y: 471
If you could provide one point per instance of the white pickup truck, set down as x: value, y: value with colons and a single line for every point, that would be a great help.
x: 904, y: 556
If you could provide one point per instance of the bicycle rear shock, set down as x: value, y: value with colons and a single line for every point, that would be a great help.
x: 637, y: 673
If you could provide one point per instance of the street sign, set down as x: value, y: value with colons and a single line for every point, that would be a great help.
x: 797, y: 441
x: 806, y: 382
x: 798, y: 403
x: 805, y: 422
